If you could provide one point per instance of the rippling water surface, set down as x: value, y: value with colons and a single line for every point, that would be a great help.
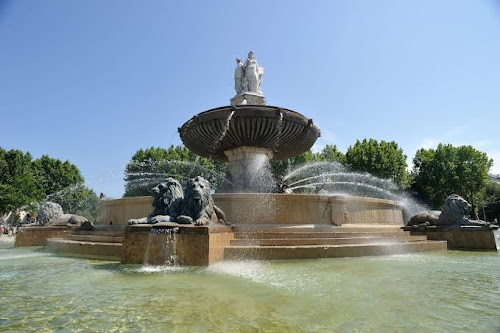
x: 433, y: 292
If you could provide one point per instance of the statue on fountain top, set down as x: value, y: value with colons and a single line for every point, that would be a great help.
x: 247, y: 82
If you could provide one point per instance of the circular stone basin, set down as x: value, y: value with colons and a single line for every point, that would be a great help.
x: 272, y: 208
x: 287, y: 133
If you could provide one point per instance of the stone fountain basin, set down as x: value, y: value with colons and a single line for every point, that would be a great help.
x: 273, y: 208
x: 287, y: 133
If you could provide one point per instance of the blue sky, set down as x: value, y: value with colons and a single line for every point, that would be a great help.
x: 93, y: 81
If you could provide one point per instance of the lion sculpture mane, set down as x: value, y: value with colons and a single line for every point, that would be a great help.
x: 167, y: 203
x: 194, y: 206
x: 455, y: 213
x: 198, y: 206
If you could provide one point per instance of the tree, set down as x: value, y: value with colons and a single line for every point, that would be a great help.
x: 77, y: 199
x: 151, y: 166
x: 24, y: 183
x: 382, y: 159
x: 331, y: 154
x: 445, y: 170
x: 281, y: 168
x: 18, y: 186
x: 490, y: 202
x: 53, y: 175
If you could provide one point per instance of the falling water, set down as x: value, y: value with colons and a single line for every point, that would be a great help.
x: 217, y: 143
x: 148, y: 248
x: 161, y: 247
x: 280, y: 128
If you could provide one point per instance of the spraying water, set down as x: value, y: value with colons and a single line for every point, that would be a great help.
x: 335, y: 179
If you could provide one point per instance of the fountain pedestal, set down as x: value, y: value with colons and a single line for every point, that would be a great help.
x: 249, y: 170
x: 248, y: 98
x: 191, y: 245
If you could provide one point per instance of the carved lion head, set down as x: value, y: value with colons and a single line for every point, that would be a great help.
x: 167, y: 197
x: 197, y: 199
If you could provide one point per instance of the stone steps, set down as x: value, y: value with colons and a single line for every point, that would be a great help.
x: 96, y: 238
x: 325, y: 241
x: 316, y: 234
x: 104, y: 250
x: 315, y: 228
x: 328, y: 251
x: 101, y: 232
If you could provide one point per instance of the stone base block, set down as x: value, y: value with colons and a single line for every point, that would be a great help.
x: 38, y: 235
x: 97, y: 250
x: 248, y: 99
x: 328, y: 251
x: 191, y: 245
x: 468, y: 238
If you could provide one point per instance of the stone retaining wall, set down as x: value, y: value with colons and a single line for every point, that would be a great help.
x: 38, y: 235
x: 463, y: 239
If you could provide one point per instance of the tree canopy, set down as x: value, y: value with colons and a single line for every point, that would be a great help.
x: 148, y: 167
x: 382, y: 159
x: 24, y: 182
x: 490, y: 202
x: 330, y: 153
x: 54, y: 175
x: 18, y: 186
x: 445, y: 170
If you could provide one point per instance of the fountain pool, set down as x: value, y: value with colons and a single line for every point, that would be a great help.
x: 438, y: 291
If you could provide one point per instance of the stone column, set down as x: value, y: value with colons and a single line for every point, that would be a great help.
x: 249, y: 170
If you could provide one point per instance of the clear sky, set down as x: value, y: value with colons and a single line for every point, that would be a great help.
x: 92, y: 81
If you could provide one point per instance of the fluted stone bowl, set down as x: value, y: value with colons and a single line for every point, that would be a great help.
x: 287, y: 133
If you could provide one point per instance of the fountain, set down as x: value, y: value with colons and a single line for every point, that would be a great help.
x: 248, y: 134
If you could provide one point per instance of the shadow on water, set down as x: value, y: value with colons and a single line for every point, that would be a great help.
x: 118, y: 268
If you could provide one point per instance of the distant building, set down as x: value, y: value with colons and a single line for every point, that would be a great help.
x: 494, y: 178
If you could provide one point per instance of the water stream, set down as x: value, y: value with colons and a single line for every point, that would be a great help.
x: 161, y: 247
x: 332, y: 178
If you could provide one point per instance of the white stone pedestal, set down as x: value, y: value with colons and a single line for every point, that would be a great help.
x: 248, y: 98
x: 249, y: 170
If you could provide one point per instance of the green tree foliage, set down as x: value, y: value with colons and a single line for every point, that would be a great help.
x: 445, y: 170
x: 331, y: 154
x: 18, y: 186
x: 328, y: 154
x: 490, y: 202
x: 77, y: 199
x: 53, y: 175
x: 148, y: 167
x: 382, y: 159
x: 24, y: 183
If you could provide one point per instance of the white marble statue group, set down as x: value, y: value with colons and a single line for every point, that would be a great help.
x: 248, y: 76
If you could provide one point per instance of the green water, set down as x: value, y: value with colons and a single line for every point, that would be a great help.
x: 432, y: 292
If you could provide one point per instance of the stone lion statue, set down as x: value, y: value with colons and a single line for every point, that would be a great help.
x: 429, y: 218
x: 198, y: 207
x: 167, y: 203
x: 455, y: 213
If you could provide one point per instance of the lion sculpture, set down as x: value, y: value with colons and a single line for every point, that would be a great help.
x: 198, y: 206
x: 455, y: 213
x: 194, y: 206
x: 167, y: 203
